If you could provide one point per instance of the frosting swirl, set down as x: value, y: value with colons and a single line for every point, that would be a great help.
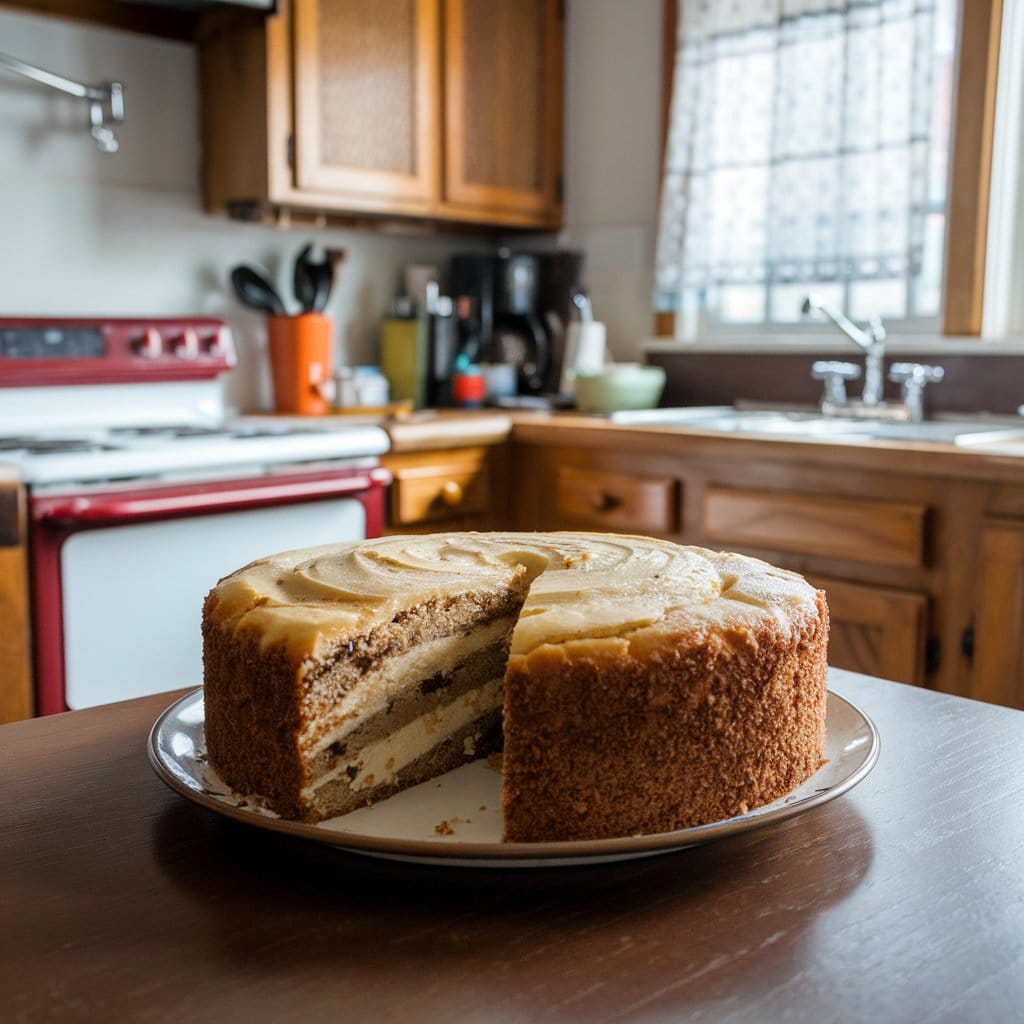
x: 585, y: 585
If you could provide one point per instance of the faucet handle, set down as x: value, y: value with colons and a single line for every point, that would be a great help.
x: 835, y: 375
x: 916, y: 374
x: 913, y: 378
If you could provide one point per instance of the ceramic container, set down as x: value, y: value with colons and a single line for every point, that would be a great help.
x: 620, y: 386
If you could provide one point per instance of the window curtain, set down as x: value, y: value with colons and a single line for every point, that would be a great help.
x: 798, y: 144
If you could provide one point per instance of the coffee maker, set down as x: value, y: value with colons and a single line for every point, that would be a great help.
x: 513, y: 308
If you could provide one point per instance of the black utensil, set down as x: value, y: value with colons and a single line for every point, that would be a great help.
x: 255, y: 291
x: 303, y: 279
x: 312, y: 280
x: 324, y: 277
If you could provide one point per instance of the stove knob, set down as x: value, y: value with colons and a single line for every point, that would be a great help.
x: 149, y: 344
x: 216, y: 345
x: 186, y: 345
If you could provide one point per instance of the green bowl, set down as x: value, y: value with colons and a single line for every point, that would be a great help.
x: 620, y: 386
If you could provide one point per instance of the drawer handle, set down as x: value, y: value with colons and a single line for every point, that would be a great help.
x: 605, y: 502
x: 452, y: 493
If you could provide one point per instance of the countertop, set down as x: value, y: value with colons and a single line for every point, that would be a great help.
x: 902, y: 900
x: 437, y: 429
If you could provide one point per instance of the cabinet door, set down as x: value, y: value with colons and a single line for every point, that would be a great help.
x: 998, y: 673
x: 503, y: 102
x: 876, y: 630
x: 367, y: 88
x: 16, y: 699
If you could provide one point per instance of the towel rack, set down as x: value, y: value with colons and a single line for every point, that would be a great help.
x: 106, y: 101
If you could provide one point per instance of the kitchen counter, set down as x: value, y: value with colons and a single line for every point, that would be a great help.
x: 901, y: 901
x: 998, y: 460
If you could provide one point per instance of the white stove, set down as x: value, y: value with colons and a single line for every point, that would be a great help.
x: 119, y: 400
x: 141, y: 492
x: 181, y: 452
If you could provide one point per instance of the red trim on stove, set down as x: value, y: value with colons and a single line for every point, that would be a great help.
x: 124, y: 361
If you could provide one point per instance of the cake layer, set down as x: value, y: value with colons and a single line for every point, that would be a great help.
x: 403, y: 687
x: 379, y: 762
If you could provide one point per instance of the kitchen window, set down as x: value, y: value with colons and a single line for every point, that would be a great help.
x: 808, y: 149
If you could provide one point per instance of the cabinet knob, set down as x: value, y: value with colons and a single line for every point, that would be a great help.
x: 452, y: 493
x: 605, y: 502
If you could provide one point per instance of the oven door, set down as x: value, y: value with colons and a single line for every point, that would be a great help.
x: 119, y: 577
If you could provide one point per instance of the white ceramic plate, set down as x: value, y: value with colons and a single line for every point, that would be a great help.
x: 456, y: 819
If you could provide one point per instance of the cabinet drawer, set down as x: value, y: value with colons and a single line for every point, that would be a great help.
x: 879, y: 631
x: 427, y: 494
x: 617, y: 501
x: 854, y: 529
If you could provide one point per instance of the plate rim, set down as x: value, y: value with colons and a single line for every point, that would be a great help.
x: 509, y: 854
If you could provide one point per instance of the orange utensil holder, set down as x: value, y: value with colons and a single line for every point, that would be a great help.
x: 302, y: 363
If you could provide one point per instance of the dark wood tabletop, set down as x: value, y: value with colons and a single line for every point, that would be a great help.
x: 902, y: 900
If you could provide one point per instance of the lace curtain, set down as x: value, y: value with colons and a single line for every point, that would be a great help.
x: 798, y: 144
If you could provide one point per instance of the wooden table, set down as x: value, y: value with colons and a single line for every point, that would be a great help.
x: 901, y: 901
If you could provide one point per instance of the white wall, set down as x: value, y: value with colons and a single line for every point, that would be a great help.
x: 87, y: 233
x: 612, y: 158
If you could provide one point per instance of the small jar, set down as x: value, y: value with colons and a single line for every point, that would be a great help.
x: 371, y: 387
x: 469, y: 388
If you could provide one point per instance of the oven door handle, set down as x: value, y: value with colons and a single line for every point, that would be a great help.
x: 69, y: 510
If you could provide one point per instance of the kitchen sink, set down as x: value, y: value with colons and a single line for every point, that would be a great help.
x: 807, y: 425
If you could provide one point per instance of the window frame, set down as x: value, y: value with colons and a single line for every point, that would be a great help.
x: 970, y: 172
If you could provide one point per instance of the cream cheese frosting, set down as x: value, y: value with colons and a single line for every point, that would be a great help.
x: 585, y: 585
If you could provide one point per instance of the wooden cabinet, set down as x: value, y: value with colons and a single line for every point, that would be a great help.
x: 503, y: 108
x: 997, y: 646
x: 624, y: 502
x: 16, y: 700
x: 460, y: 489
x: 367, y: 74
x: 876, y: 630
x: 923, y: 568
x: 872, y: 541
x: 832, y: 526
x: 428, y: 109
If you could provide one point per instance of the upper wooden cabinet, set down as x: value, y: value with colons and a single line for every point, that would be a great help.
x: 428, y: 109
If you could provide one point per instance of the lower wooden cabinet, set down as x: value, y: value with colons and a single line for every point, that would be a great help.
x: 997, y: 647
x: 924, y: 571
x: 876, y: 630
x: 600, y: 499
x: 852, y: 528
x: 16, y: 700
x: 460, y: 489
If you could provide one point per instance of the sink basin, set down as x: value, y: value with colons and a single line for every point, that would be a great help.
x: 815, y: 426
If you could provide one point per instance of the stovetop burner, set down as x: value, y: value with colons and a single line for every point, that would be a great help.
x: 182, y: 430
x: 52, y: 445
x: 199, y: 450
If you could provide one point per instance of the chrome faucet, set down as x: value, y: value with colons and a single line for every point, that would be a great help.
x: 912, y: 377
x: 872, y: 341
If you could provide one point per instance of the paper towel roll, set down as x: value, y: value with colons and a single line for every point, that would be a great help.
x: 584, y: 352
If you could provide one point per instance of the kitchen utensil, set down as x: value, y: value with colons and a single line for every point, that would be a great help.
x: 303, y: 280
x: 255, y: 291
x: 620, y: 386
x: 302, y: 363
x: 312, y: 280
